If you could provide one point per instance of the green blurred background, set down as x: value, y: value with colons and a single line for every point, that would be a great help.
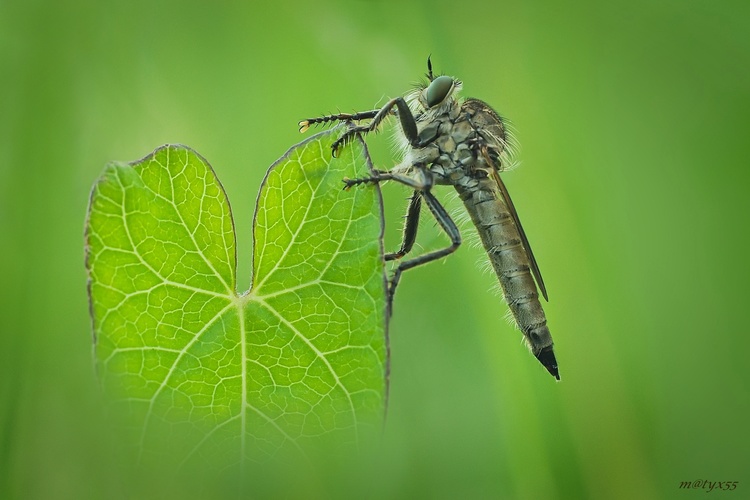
x: 633, y: 123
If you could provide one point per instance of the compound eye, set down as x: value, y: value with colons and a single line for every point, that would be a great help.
x: 438, y: 90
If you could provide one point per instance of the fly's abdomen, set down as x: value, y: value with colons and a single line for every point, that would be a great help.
x: 510, y: 261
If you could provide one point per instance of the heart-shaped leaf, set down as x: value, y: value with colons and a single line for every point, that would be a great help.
x: 193, y: 365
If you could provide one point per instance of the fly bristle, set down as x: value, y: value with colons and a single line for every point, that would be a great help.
x: 508, y: 316
x: 457, y: 211
x: 420, y: 85
x: 485, y: 266
x: 512, y: 146
x: 473, y: 238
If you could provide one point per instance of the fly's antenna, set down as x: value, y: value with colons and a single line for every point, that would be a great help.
x: 429, y: 68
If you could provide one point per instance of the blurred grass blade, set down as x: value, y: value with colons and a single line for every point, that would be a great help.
x: 192, y: 365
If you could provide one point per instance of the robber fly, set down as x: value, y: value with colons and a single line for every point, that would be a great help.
x: 463, y: 143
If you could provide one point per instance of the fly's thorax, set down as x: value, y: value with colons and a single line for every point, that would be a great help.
x: 463, y: 140
x: 432, y: 124
x: 488, y: 124
x: 454, y: 151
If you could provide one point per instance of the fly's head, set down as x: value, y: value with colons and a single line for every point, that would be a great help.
x: 435, y: 96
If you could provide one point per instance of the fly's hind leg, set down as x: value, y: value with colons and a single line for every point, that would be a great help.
x: 410, y: 227
x: 421, y: 191
x: 450, y: 228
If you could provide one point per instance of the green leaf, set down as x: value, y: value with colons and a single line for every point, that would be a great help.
x: 194, y: 366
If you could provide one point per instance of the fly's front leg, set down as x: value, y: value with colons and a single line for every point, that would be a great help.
x: 408, y: 124
x: 344, y: 117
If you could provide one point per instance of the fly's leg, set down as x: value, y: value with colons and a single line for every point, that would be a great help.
x: 408, y: 124
x: 410, y: 227
x: 450, y: 228
x: 380, y: 176
x: 421, y: 190
x: 344, y: 117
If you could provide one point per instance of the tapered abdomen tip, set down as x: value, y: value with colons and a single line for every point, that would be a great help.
x: 547, y: 358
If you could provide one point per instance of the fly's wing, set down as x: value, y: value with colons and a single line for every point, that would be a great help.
x: 524, y: 240
x: 491, y: 124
